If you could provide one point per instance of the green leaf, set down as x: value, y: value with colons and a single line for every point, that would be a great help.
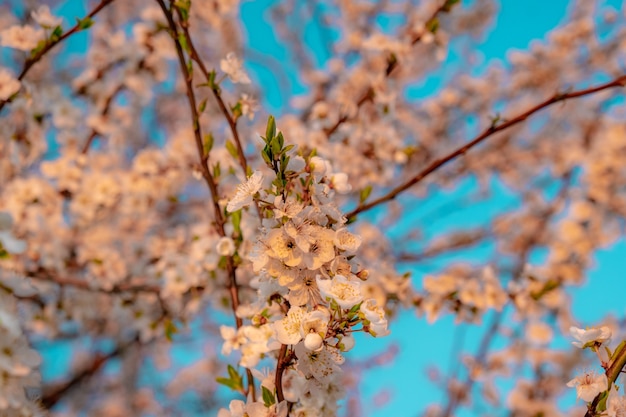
x: 281, y: 140
x: 276, y: 148
x: 170, y: 329
x: 602, y: 401
x: 37, y: 49
x: 268, y: 397
x: 56, y: 33
x: 84, y: 23
x: 432, y: 25
x: 236, y: 218
x: 270, y: 131
x: 266, y: 154
x: 365, y: 192
x: 207, y: 144
x: 202, y: 107
x: 232, y: 149
x: 182, y: 39
x: 190, y: 68
x: 211, y: 81
x: 236, y: 110
x: 449, y: 5
x: 183, y: 7
x: 217, y: 171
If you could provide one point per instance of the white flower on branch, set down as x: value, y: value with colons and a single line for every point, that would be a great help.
x: 346, y: 293
x: 245, y: 192
x: 46, y: 19
x: 24, y: 38
x: 588, y: 385
x: 8, y: 84
x: 233, y: 67
x: 590, y: 336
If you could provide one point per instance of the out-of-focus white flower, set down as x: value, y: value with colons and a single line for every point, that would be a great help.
x: 225, y: 246
x: 233, y: 67
x: 615, y: 404
x: 24, y: 38
x: 340, y: 183
x: 9, y: 85
x: 46, y: 19
x: 249, y: 105
x: 245, y: 191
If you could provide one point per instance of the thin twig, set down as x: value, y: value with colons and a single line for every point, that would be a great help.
x: 206, y: 173
x: 438, y: 163
x: 28, y: 64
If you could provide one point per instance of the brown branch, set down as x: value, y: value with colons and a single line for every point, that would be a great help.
x: 51, y: 396
x: 206, y: 173
x: 28, y: 64
x: 438, y: 163
x: 215, y: 89
x: 280, y: 369
x: 105, y: 111
x: 612, y: 373
x: 47, y: 276
x: 452, y: 242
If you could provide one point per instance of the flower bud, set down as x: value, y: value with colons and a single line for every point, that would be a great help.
x: 313, y: 341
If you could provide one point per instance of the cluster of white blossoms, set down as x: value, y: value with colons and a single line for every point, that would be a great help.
x: 308, y: 284
x: 462, y: 292
x: 590, y: 384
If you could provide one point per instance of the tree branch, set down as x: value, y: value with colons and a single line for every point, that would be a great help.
x: 28, y: 64
x: 206, y: 172
x: 53, y: 395
x: 438, y: 163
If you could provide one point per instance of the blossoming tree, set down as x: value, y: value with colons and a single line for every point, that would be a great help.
x: 151, y: 206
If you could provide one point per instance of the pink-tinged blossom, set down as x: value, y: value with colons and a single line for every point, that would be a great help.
x: 225, y: 246
x: 344, y: 240
x: 9, y: 85
x: 589, y: 385
x: 46, y: 19
x: 590, y: 336
x: 233, y: 67
x: 376, y: 316
x: 24, y: 38
x: 615, y: 404
x: 346, y: 293
x: 245, y: 192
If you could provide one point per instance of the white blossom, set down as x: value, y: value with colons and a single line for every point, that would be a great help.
x: 9, y: 85
x: 345, y: 292
x: 46, y: 19
x: 233, y: 67
x: 589, y: 385
x: 593, y: 335
x: 245, y: 192
x: 24, y: 38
